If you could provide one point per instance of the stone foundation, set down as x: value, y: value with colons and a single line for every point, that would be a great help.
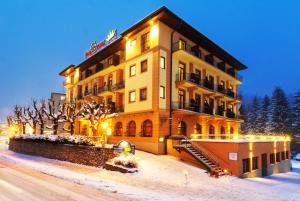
x: 85, y: 155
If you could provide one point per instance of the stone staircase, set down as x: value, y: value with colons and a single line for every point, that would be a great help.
x: 204, y: 158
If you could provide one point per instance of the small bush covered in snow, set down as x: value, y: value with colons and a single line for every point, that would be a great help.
x: 126, y: 160
x: 61, y: 139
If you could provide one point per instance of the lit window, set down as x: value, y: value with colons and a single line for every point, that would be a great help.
x: 131, y: 96
x: 133, y: 43
x: 144, y: 66
x: 132, y: 71
x: 182, y: 44
x: 162, y: 62
x: 162, y: 92
x: 143, y: 94
x: 110, y: 61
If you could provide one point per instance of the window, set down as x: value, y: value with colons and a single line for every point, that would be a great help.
x: 147, y: 128
x: 182, y: 128
x: 131, y: 96
x: 118, y: 129
x: 132, y: 71
x: 131, y: 129
x: 144, y: 66
x: 246, y: 165
x: 278, y: 157
x: 162, y: 92
x: 181, y: 44
x: 145, y: 42
x: 254, y: 163
x: 282, y: 156
x: 272, y: 158
x: 162, y: 62
x: 143, y: 94
x: 110, y: 61
x: 197, y: 128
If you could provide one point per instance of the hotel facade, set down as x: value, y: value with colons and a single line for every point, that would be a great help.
x: 175, y: 92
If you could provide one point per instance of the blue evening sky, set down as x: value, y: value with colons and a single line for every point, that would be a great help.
x: 40, y: 38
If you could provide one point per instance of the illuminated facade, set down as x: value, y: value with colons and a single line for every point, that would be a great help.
x: 164, y: 79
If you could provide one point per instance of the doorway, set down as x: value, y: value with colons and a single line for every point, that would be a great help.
x: 264, y: 165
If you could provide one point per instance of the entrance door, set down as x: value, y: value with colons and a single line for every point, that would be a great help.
x: 181, y: 99
x: 264, y: 165
x: 181, y: 71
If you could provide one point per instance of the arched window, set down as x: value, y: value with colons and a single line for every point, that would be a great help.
x: 131, y: 130
x: 222, y: 130
x: 118, y: 129
x: 231, y: 130
x: 147, y: 128
x: 182, y: 128
x: 211, y: 131
x: 197, y: 128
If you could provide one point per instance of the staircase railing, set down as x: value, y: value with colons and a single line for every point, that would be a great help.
x: 203, y: 151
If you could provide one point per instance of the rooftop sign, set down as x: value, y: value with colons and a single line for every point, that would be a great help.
x: 95, y: 47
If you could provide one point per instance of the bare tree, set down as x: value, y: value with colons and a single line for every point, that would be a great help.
x: 70, y: 115
x: 33, y: 118
x: 18, y: 118
x: 97, y: 113
x: 54, y: 116
x: 40, y: 114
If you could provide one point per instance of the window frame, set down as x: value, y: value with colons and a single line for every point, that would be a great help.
x: 255, y: 164
x: 141, y: 89
x: 164, y: 62
x: 130, y: 70
x: 164, y: 92
x: 144, y: 61
x: 245, y: 168
x: 129, y: 96
x: 145, y: 44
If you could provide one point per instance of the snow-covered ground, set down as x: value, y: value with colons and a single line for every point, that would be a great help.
x: 162, y: 178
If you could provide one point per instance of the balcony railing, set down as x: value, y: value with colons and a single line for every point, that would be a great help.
x: 186, y: 106
x: 208, y: 84
x: 191, y: 77
x: 208, y: 58
x: 119, y: 108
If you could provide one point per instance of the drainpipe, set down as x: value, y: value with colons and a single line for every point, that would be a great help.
x: 171, y: 81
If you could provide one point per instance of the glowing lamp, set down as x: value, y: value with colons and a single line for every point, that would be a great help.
x: 161, y: 139
x: 154, y: 31
x: 104, y: 125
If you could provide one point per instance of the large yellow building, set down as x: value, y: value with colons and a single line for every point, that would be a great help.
x: 165, y: 79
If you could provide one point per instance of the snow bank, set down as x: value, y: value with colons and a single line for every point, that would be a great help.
x: 64, y: 139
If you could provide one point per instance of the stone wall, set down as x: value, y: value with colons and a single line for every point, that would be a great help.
x: 86, y: 155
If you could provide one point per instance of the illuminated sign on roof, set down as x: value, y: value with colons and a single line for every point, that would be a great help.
x: 95, y: 47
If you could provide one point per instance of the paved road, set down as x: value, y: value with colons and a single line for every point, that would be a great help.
x: 18, y: 183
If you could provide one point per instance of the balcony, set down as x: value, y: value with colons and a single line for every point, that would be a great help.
x: 88, y: 92
x: 191, y: 77
x: 186, y: 106
x: 230, y: 114
x: 230, y: 93
x: 119, y: 109
x: 193, y: 50
x: 120, y: 85
x: 220, y: 111
x: 208, y: 84
x: 208, y: 110
x: 114, y: 60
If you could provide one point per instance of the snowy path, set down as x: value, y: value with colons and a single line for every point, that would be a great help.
x: 161, y: 178
x: 19, y: 183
